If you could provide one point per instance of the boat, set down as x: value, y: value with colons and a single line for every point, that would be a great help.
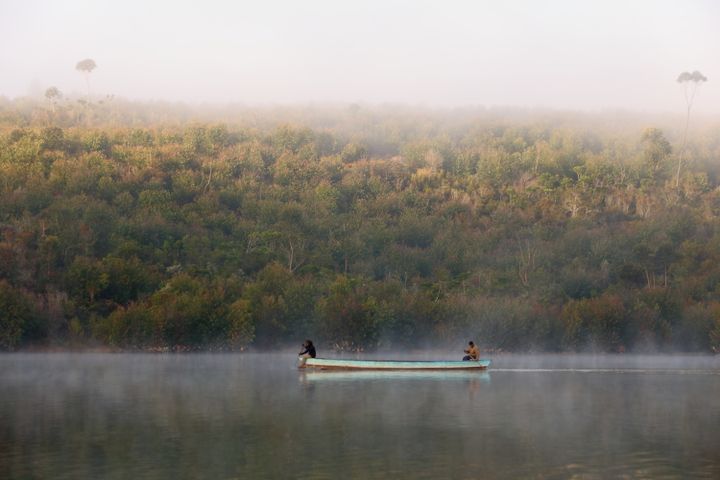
x: 414, y: 365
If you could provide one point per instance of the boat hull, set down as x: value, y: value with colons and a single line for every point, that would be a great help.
x: 337, y: 364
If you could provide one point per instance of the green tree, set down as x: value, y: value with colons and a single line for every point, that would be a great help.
x: 599, y: 323
x: 348, y: 316
x: 85, y: 278
x: 242, y: 330
x: 655, y: 154
x: 18, y: 320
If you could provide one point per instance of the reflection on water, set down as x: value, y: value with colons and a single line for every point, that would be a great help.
x: 392, y: 375
x: 256, y: 416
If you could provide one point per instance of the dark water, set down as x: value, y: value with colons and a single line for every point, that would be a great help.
x: 133, y: 416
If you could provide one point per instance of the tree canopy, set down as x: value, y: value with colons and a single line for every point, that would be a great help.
x: 87, y: 65
x: 359, y: 229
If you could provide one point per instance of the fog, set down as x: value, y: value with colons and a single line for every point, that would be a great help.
x: 520, y: 53
x: 256, y: 416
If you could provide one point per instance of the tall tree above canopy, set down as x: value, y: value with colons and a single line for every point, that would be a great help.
x: 690, y: 82
x: 53, y: 94
x: 86, y: 66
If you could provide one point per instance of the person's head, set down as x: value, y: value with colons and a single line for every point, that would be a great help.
x: 308, y: 343
x: 471, y: 343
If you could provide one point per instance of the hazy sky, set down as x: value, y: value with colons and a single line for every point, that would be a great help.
x: 562, y: 54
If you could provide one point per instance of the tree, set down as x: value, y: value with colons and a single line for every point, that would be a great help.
x: 656, y: 151
x: 595, y: 322
x: 690, y: 82
x: 53, y: 94
x: 242, y: 329
x: 85, y: 278
x: 86, y: 66
x: 348, y: 315
x: 18, y: 320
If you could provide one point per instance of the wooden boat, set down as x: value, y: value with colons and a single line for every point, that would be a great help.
x: 415, y: 365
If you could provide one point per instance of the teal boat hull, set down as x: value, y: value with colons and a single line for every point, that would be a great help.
x: 408, y: 365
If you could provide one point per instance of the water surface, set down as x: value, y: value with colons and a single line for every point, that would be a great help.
x: 118, y: 416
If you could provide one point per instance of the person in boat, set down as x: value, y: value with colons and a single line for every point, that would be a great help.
x: 473, y: 354
x: 308, y: 350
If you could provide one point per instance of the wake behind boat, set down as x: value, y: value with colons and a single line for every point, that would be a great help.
x: 420, y: 365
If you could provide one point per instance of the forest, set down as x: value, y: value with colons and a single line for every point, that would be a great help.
x: 163, y: 227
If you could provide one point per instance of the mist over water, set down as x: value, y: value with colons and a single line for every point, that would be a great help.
x: 256, y: 416
x: 410, y: 129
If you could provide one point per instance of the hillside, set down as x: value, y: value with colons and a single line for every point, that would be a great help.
x: 163, y: 227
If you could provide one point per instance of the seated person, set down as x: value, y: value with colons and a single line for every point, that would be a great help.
x: 308, y: 350
x: 472, y: 352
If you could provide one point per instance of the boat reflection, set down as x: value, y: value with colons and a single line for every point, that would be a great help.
x: 316, y: 376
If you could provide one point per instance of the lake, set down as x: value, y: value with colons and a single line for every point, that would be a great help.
x: 225, y: 416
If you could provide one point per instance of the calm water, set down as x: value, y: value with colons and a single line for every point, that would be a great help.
x: 123, y: 416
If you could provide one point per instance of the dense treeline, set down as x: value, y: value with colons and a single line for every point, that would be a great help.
x: 367, y: 230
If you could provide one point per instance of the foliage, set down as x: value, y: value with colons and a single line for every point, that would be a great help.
x: 358, y: 229
x: 18, y: 321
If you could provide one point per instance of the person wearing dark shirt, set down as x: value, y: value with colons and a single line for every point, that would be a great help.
x: 308, y: 350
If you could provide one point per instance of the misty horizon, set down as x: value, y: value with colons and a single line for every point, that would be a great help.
x: 558, y: 55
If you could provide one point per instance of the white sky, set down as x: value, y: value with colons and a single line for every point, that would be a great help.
x: 576, y: 54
